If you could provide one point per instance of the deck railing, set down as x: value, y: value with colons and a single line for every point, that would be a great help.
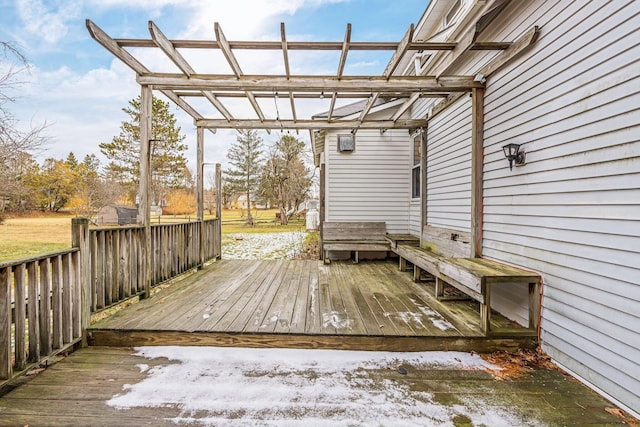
x: 40, y: 306
x: 46, y: 301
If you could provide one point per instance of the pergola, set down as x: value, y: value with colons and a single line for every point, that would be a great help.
x: 180, y: 87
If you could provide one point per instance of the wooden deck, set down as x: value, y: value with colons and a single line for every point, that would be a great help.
x: 304, y: 304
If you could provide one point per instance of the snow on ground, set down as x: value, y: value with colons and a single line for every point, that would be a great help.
x: 289, y: 387
x: 263, y: 245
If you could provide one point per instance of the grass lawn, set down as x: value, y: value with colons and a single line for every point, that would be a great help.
x: 39, y: 234
x: 31, y: 236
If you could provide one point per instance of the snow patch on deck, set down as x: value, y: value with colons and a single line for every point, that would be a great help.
x: 239, y: 386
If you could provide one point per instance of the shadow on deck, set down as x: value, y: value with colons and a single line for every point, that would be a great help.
x: 304, y: 304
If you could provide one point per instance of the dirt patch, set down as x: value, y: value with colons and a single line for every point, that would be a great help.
x: 518, y: 364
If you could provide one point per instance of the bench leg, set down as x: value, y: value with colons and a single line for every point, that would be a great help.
x: 325, y: 258
x: 534, y: 306
x: 402, y: 264
x: 356, y: 257
x: 485, y: 312
x: 439, y: 288
x: 416, y: 273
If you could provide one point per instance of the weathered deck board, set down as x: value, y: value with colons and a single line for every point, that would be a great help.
x: 75, y: 392
x: 297, y: 303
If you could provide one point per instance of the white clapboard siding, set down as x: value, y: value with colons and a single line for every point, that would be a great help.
x: 449, y: 167
x: 373, y: 182
x: 573, y: 211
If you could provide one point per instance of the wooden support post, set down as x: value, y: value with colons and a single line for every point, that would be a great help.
x: 219, y: 210
x: 322, y: 207
x: 477, y: 162
x: 6, y: 367
x: 144, y: 209
x: 200, y: 194
x: 402, y: 264
x: 80, y: 240
x: 423, y: 182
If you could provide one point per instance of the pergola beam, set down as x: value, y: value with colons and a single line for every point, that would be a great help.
x: 345, y: 50
x: 182, y: 104
x: 307, y: 95
x: 399, y: 53
x: 167, y: 47
x: 364, y: 84
x: 309, y: 45
x: 235, y: 67
x: 218, y: 104
x: 309, y: 124
x: 226, y: 50
x: 469, y: 39
x: 404, y: 107
x: 110, y: 44
x: 372, y: 100
x: 285, y: 49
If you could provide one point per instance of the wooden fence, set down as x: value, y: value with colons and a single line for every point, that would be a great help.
x: 46, y: 301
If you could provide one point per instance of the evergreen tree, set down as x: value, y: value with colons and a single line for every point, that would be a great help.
x: 72, y: 161
x: 246, y: 161
x: 168, y: 163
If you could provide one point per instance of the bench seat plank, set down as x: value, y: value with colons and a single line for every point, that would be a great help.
x: 361, y: 246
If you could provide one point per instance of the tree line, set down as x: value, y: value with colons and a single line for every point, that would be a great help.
x: 274, y: 176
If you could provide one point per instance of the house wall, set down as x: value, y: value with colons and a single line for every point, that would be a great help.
x: 449, y: 167
x: 573, y: 211
x: 373, y: 182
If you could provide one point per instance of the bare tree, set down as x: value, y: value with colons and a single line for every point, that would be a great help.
x: 285, y: 178
x: 14, y: 143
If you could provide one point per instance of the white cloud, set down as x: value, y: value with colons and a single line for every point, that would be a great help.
x: 47, y: 23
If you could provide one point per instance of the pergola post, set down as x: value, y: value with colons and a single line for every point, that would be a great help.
x: 219, y: 208
x: 144, y: 208
x: 477, y: 162
x: 200, y: 193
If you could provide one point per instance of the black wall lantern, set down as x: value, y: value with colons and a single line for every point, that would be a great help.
x: 513, y: 154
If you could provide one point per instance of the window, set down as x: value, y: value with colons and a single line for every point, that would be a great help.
x: 416, y: 176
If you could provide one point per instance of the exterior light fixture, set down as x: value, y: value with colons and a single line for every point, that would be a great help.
x: 479, y: 78
x: 513, y: 154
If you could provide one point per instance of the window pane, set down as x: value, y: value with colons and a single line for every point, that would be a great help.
x: 415, y: 182
x: 417, y: 147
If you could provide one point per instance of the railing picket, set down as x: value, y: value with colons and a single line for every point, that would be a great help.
x: 6, y: 369
x: 56, y: 300
x: 115, y: 264
x: 33, y: 311
x: 100, y: 261
x: 108, y: 268
x: 93, y: 248
x: 45, y: 307
x: 76, y: 304
x: 67, y: 289
x: 20, y: 310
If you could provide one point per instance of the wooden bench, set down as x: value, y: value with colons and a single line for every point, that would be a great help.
x: 353, y: 237
x: 446, y: 256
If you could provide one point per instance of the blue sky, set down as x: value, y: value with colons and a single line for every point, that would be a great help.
x: 79, y: 89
